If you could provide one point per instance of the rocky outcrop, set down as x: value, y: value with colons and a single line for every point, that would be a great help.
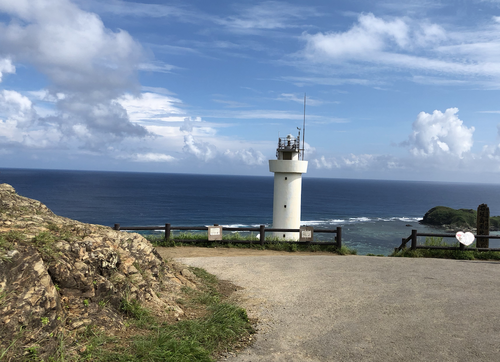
x: 456, y: 219
x: 58, y: 276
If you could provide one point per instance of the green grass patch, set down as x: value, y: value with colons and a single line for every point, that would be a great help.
x: 446, y: 254
x: 197, y: 340
x: 272, y: 243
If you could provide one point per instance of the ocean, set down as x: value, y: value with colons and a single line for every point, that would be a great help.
x: 375, y: 215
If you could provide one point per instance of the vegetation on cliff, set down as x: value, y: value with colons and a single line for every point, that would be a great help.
x: 71, y: 291
x: 453, y: 218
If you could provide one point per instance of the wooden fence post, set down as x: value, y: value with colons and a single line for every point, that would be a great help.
x: 262, y: 234
x: 167, y: 232
x: 116, y: 227
x: 413, y: 239
x: 483, y: 225
x: 339, y: 237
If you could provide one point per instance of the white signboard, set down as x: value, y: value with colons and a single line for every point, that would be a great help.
x: 214, y: 233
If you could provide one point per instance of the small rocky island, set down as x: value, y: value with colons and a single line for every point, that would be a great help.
x: 456, y: 218
x: 58, y: 276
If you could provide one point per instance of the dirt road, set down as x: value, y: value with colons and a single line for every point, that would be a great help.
x: 356, y: 308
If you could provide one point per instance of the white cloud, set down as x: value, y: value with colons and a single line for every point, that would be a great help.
x: 20, y: 124
x: 153, y: 157
x: 440, y: 134
x: 16, y: 107
x: 322, y: 162
x: 267, y: 15
x: 6, y: 66
x: 202, y: 150
x: 156, y: 67
x: 369, y: 36
x: 299, y: 99
x: 150, y: 106
x: 249, y: 156
x: 83, y: 60
x: 406, y: 44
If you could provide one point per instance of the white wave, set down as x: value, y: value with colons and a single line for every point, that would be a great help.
x: 403, y: 219
x: 314, y: 222
x: 359, y: 219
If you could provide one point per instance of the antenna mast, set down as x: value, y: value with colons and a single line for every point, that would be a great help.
x: 304, y: 130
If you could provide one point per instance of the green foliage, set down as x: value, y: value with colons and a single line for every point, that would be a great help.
x: 188, y: 340
x: 272, y: 243
x: 441, y: 215
x: 134, y: 309
x: 461, y: 218
x: 10, y: 238
x: 447, y: 254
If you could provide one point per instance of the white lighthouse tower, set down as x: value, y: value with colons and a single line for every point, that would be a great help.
x: 288, y: 170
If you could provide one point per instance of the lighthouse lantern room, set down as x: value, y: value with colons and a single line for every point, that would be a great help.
x: 288, y: 169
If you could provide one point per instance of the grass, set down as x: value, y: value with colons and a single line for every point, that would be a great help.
x: 201, y: 339
x: 272, y: 243
x: 447, y: 254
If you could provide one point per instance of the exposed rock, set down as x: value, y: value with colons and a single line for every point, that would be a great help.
x: 58, y: 276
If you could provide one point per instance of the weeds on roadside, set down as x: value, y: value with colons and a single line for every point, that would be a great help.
x: 272, y: 243
x: 446, y: 254
x: 197, y: 340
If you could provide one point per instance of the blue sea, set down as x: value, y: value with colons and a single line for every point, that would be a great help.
x: 375, y: 215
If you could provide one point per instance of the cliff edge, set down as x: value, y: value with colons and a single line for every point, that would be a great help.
x: 58, y: 276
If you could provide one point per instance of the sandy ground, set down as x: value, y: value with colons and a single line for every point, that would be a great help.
x: 191, y: 251
x: 356, y: 308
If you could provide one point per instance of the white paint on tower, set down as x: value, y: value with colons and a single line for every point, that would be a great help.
x: 288, y: 170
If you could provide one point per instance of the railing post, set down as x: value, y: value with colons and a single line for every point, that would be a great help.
x: 116, y: 227
x: 262, y: 234
x: 339, y: 237
x: 167, y: 232
x: 414, y: 239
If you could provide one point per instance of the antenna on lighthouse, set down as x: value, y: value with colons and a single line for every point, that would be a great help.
x: 304, y: 129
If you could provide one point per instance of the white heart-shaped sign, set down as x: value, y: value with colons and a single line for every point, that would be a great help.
x: 465, y: 238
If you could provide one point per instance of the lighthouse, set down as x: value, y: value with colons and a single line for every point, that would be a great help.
x: 288, y: 170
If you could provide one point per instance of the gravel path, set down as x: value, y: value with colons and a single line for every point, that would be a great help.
x: 356, y: 308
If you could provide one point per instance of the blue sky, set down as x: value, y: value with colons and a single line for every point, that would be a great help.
x: 395, y: 90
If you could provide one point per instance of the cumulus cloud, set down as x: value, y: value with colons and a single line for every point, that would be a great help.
x: 440, y: 134
x: 358, y: 162
x: 322, y: 162
x: 6, y: 66
x: 371, y: 34
x: 249, y: 156
x: 89, y: 64
x: 20, y: 124
x: 201, y: 150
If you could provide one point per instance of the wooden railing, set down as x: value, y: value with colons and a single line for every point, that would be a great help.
x: 262, y: 230
x: 414, y: 245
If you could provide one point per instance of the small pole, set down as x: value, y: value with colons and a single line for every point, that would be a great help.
x: 116, y: 227
x: 339, y: 237
x: 414, y: 239
x: 483, y: 225
x: 167, y: 232
x: 262, y: 234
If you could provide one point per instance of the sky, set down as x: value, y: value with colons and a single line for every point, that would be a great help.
x: 398, y: 90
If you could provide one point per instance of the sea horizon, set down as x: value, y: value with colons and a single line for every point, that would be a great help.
x: 374, y: 214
